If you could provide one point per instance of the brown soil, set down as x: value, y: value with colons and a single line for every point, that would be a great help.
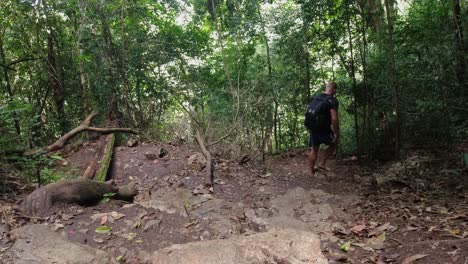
x: 383, y: 226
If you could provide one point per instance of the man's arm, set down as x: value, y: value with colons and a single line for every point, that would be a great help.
x: 335, y: 123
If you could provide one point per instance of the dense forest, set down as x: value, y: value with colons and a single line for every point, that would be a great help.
x: 241, y: 72
x: 173, y: 93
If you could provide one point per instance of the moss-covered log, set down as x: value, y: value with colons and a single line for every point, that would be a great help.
x: 79, y: 191
x: 101, y: 173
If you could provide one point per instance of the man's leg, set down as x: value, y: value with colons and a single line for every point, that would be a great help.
x: 330, y: 151
x: 313, y: 158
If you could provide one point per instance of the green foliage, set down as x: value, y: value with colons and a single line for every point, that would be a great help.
x: 107, y: 196
x: 169, y: 68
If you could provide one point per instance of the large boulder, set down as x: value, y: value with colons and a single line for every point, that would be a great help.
x: 276, y: 246
x: 36, y: 244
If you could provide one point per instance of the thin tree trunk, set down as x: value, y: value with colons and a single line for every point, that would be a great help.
x: 8, y: 85
x: 84, y: 84
x: 353, y: 76
x: 111, y: 63
x: 53, y: 77
x: 54, y: 82
x: 139, y: 113
x: 460, y: 47
x: 396, y: 90
x: 209, y: 160
x: 270, y: 75
x: 275, y: 124
x: 363, y: 55
x: 307, y: 80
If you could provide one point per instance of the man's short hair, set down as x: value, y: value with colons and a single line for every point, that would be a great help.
x: 331, y: 84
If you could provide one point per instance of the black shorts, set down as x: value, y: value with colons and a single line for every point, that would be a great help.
x: 321, y: 137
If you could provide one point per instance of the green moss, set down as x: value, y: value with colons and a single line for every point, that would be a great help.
x: 101, y: 174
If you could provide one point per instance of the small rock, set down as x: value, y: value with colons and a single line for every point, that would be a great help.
x: 250, y: 213
x: 98, y: 240
x: 132, y: 142
x: 4, y: 228
x: 205, y: 235
x: 357, y: 178
x: 66, y: 217
x: 150, y: 224
x: 129, y: 222
x: 56, y: 227
x: 163, y: 152
x: 200, y: 189
x: 338, y: 228
x: 83, y: 230
x: 150, y: 156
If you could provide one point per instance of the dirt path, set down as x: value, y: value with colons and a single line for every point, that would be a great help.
x: 173, y: 207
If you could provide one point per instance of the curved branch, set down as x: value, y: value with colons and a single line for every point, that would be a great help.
x: 110, y: 130
x: 85, y: 126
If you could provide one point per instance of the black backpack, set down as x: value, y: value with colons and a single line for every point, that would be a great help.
x: 316, y: 114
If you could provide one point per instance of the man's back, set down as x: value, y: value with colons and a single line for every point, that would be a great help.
x: 326, y: 102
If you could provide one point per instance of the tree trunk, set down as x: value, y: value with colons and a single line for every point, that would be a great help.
x: 353, y: 77
x: 8, y: 87
x: 270, y: 81
x: 84, y: 84
x: 307, y: 66
x: 462, y: 63
x: 111, y: 64
x: 209, y: 161
x: 54, y: 82
x: 140, y: 114
x: 394, y: 78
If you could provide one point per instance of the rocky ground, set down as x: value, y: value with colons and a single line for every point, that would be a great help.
x: 372, y: 215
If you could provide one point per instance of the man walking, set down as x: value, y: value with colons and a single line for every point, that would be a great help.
x: 322, y: 122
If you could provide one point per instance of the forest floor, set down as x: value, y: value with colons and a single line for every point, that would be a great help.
x: 394, y: 213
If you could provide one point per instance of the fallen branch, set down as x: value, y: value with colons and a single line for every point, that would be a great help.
x: 85, y: 126
x: 398, y: 241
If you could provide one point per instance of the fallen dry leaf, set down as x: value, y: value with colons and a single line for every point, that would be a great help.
x: 117, y: 215
x: 378, y: 230
x: 411, y: 259
x: 104, y: 220
x: 97, y: 216
x: 358, y: 228
x: 363, y: 246
x: 377, y: 242
x: 412, y: 228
